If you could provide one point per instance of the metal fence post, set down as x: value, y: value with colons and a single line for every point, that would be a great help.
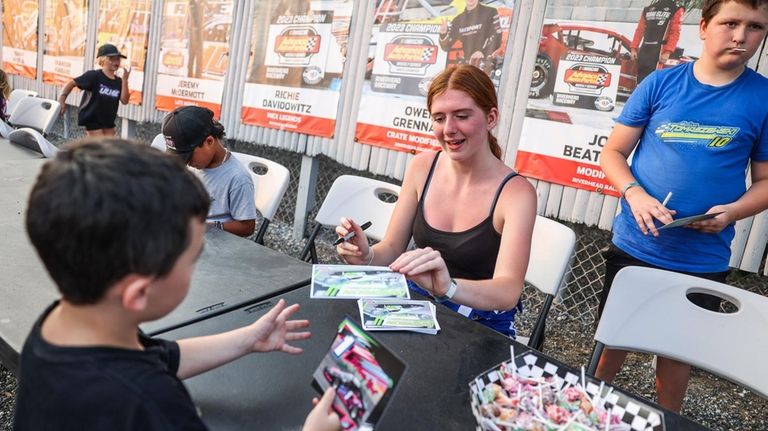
x: 305, y: 195
x: 128, y: 129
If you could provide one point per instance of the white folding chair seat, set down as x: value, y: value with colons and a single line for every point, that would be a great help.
x: 13, y: 101
x: 648, y: 311
x: 270, y: 181
x: 552, y: 247
x: 34, y: 118
x: 359, y: 198
x: 159, y: 142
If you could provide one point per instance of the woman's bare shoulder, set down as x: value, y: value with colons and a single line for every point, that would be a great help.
x: 419, y: 166
x: 423, y: 160
x: 518, y: 194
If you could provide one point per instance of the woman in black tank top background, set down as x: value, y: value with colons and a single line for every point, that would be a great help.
x: 470, y: 215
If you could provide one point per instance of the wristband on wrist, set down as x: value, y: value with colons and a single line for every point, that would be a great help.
x: 450, y: 293
x: 628, y: 186
x: 218, y: 225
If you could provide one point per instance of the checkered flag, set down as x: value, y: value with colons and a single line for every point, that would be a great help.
x: 635, y: 415
x: 602, y: 78
x: 311, y: 42
x: 426, y: 54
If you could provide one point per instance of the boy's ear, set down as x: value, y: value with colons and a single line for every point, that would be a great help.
x: 134, y: 291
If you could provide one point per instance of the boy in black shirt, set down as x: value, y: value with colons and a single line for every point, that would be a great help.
x: 119, y: 228
x: 103, y: 89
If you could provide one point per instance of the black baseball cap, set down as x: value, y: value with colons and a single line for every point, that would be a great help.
x: 186, y: 128
x: 109, y: 50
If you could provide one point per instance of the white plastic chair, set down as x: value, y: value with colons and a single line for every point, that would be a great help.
x: 13, y: 101
x: 552, y: 247
x: 356, y: 197
x: 158, y: 142
x: 648, y: 310
x: 270, y: 181
x: 15, y: 98
x: 34, y: 118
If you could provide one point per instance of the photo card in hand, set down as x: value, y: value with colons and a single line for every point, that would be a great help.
x: 364, y: 373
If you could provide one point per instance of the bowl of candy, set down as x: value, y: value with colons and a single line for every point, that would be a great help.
x: 529, y: 392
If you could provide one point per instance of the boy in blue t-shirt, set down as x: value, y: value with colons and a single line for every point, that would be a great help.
x: 119, y: 229
x: 699, y: 126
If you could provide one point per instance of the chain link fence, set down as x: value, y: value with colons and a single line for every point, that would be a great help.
x: 578, y: 299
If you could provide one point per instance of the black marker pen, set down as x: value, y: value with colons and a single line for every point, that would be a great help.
x: 351, y: 235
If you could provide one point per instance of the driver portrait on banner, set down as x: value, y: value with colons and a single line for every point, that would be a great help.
x: 656, y: 35
x: 478, y: 29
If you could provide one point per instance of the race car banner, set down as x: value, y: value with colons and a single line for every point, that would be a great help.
x: 125, y: 24
x: 193, y: 53
x: 584, y: 72
x: 20, y: 37
x: 295, y: 77
x: 64, y: 56
x: 587, y: 82
x: 406, y: 57
x: 544, y: 153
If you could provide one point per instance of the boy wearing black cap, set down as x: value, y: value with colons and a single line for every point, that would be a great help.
x: 192, y: 134
x: 85, y: 364
x: 103, y: 88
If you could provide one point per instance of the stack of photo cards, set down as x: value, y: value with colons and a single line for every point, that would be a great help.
x: 398, y: 315
x: 364, y: 373
x: 357, y: 281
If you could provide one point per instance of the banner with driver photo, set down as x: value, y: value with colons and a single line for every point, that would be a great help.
x: 194, y: 53
x: 413, y: 42
x: 64, y: 55
x: 20, y: 37
x: 295, y: 77
x: 583, y: 75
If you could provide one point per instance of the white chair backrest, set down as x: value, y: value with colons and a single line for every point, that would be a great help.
x: 36, y: 113
x: 16, y: 96
x: 270, y: 181
x: 158, y: 142
x: 359, y: 198
x: 551, y: 250
x: 647, y: 310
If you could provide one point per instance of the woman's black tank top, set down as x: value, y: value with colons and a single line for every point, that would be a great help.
x: 470, y: 254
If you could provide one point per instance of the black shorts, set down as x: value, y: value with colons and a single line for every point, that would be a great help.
x: 95, y: 126
x: 616, y: 259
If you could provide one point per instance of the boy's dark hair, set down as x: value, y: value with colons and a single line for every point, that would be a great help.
x: 106, y: 208
x: 712, y: 7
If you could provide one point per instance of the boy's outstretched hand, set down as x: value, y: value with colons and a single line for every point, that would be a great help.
x: 273, y: 331
x: 322, y: 417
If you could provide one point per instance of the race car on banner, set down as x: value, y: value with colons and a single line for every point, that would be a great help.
x: 595, y: 58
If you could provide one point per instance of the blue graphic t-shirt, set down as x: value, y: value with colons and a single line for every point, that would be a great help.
x: 697, y: 143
